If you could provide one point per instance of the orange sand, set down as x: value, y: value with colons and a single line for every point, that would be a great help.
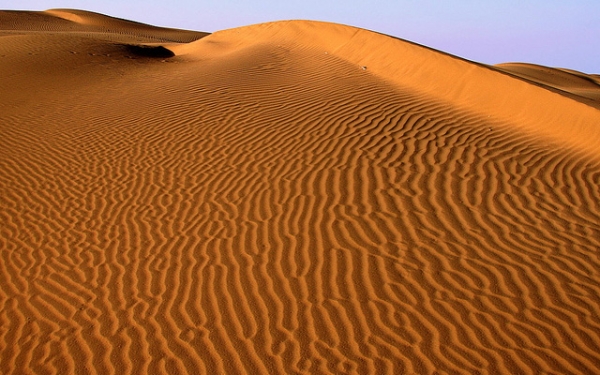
x: 291, y: 197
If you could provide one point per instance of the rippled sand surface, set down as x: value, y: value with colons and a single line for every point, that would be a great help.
x: 291, y: 197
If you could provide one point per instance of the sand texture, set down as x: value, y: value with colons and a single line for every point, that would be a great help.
x: 290, y: 198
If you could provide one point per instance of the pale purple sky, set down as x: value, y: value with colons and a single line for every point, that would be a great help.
x: 547, y: 32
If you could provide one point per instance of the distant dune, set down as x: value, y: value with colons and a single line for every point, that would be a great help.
x: 290, y: 197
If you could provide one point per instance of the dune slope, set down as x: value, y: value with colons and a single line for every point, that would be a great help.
x: 577, y: 85
x: 292, y: 197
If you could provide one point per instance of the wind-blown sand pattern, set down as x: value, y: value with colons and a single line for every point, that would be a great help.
x: 292, y: 197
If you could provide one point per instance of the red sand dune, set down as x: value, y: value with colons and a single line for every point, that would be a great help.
x: 290, y: 197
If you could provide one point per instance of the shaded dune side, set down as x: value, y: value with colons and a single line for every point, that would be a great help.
x: 262, y: 205
x: 39, y: 68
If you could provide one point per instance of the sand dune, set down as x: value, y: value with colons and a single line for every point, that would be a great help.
x: 291, y: 197
x: 576, y: 85
x: 84, y: 22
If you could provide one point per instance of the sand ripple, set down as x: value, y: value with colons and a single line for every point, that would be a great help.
x: 272, y: 207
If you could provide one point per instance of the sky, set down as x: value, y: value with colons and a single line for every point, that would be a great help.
x: 556, y: 33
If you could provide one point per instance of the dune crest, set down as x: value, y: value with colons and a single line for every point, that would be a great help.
x: 90, y: 24
x: 66, y: 15
x: 92, y: 19
x: 290, y: 198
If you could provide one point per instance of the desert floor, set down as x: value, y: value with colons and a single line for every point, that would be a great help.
x: 290, y: 197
